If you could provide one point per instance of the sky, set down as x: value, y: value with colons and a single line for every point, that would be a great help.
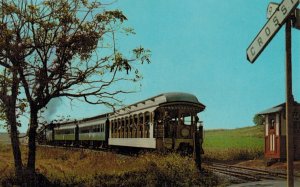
x: 199, y: 47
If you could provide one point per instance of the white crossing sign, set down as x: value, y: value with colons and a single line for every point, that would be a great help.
x: 270, y: 28
x: 273, y: 7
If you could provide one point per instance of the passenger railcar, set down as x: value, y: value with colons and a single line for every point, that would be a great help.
x: 166, y: 121
x: 86, y: 132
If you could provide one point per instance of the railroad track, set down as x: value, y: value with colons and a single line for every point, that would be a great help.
x: 244, y: 173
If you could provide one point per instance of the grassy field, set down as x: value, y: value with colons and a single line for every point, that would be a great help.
x: 236, y: 144
x: 4, y: 137
x: 67, y: 167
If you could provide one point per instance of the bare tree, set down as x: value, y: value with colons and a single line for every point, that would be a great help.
x: 9, y: 82
x: 66, y: 48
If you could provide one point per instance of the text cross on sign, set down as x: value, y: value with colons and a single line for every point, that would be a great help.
x: 270, y: 29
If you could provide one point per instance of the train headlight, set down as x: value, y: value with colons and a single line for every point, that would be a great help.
x: 185, y: 132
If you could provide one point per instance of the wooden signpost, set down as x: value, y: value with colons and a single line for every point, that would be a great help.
x: 283, y: 14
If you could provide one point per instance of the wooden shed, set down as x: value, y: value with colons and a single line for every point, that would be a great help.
x: 275, y: 132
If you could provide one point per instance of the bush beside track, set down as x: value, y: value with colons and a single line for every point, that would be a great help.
x: 69, y: 167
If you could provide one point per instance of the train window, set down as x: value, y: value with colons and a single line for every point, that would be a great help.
x: 116, y: 126
x: 147, y: 118
x: 119, y: 128
x: 64, y: 131
x: 147, y: 125
x: 126, y: 128
x: 141, y: 119
x: 135, y: 120
x: 187, y: 120
x: 96, y: 128
x: 127, y: 121
x: 84, y: 130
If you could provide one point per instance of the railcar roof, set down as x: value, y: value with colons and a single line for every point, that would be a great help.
x: 174, y: 97
x: 168, y: 97
x: 83, y: 120
x: 179, y: 96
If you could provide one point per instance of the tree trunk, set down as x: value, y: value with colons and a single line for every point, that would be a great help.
x: 31, y: 141
x: 11, y: 117
x: 10, y: 104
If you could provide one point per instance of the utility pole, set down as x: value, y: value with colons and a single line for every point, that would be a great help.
x: 289, y: 105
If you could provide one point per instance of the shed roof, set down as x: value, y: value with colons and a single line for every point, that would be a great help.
x: 275, y: 109
x: 272, y: 110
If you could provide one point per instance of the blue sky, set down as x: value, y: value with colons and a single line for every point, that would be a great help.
x: 199, y: 46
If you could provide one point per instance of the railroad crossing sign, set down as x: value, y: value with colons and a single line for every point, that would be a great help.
x: 270, y: 29
x: 274, y: 6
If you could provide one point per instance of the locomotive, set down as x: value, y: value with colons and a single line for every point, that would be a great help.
x: 167, y: 121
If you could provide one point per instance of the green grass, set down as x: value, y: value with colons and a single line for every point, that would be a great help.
x: 235, y: 144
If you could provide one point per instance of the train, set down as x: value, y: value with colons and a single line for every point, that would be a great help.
x: 168, y: 121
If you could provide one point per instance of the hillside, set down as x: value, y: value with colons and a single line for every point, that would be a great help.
x: 232, y: 144
x: 4, y: 137
x: 254, y: 131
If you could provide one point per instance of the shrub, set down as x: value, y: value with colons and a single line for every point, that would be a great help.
x: 233, y: 154
x: 67, y: 167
